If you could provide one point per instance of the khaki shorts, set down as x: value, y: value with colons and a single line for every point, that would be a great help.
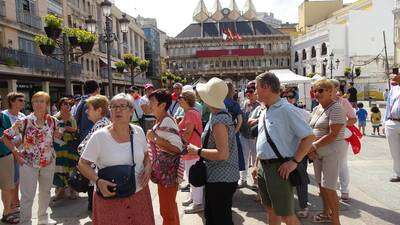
x: 326, y: 167
x: 275, y: 192
x: 7, y: 171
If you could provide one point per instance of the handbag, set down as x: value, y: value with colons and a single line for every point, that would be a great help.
x: 198, y: 172
x: 298, y: 176
x: 78, y: 182
x: 121, y: 175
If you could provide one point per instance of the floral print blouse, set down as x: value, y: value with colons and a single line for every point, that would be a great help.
x: 37, y: 148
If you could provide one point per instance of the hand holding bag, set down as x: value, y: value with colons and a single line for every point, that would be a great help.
x: 298, y: 176
x: 121, y: 175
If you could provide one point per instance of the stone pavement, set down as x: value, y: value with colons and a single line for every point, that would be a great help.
x: 375, y: 201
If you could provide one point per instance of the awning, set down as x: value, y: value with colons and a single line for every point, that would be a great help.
x: 104, y: 61
x: 286, y: 76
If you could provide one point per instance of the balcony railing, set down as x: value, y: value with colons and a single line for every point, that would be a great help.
x: 2, y: 8
x: 29, y: 20
x: 12, y: 57
x: 122, y: 77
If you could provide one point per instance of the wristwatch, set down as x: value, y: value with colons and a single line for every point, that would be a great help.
x: 199, y: 151
x: 294, y: 160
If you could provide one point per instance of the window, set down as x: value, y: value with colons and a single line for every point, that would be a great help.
x: 304, y: 53
x: 304, y: 71
x: 252, y: 63
x: 223, y: 64
x: 313, y: 68
x: 216, y: 64
x: 241, y: 63
x: 87, y: 65
x: 313, y: 52
x: 92, y: 62
x: 246, y: 63
x: 229, y: 64
x: 324, y: 49
x: 26, y: 45
x: 269, y: 46
x: 258, y: 63
x: 323, y: 70
x: 296, y: 56
x: 125, y: 38
x: 234, y: 63
x: 194, y: 65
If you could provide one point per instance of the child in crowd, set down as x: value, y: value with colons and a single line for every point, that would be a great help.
x: 361, y: 117
x: 376, y: 119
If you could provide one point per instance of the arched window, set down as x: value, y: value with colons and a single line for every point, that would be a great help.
x: 304, y: 53
x: 296, y: 56
x: 324, y: 49
x: 313, y: 52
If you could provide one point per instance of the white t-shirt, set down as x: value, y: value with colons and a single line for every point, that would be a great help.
x: 144, y: 100
x: 174, y: 139
x: 104, y: 151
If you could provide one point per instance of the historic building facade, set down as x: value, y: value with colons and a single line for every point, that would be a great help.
x: 228, y: 44
x: 22, y: 66
x: 353, y: 33
x: 396, y: 12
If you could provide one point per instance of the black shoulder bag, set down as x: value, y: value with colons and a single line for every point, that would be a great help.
x: 198, y: 172
x: 121, y: 175
x: 299, y: 175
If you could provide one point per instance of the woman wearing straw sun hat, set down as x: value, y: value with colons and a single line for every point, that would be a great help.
x: 220, y: 154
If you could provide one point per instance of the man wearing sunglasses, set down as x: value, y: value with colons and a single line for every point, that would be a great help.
x: 392, y: 125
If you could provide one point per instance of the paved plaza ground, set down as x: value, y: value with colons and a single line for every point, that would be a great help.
x: 375, y: 201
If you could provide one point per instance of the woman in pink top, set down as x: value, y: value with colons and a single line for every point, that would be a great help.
x: 191, y: 129
x: 344, y: 175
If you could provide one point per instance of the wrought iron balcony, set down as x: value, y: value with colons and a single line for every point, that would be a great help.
x: 38, y: 63
x: 29, y: 20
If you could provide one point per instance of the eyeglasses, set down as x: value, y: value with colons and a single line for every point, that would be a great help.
x: 319, y: 90
x: 119, y: 107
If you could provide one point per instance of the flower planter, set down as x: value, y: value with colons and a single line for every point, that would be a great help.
x: 47, y: 49
x: 53, y: 33
x: 73, y: 41
x: 120, y: 70
x: 86, y: 46
x: 128, y: 61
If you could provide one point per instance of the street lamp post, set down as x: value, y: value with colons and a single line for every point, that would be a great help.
x: 331, y: 60
x: 108, y: 37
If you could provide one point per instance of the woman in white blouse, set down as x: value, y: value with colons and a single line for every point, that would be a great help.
x: 111, y: 146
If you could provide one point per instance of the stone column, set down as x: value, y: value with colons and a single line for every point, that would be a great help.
x: 46, y: 86
x: 12, y: 85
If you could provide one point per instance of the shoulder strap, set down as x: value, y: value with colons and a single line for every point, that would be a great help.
x: 1, y: 119
x: 271, y: 142
x: 131, y: 140
x: 173, y: 107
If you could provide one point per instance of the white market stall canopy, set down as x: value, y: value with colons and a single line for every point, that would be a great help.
x: 286, y: 76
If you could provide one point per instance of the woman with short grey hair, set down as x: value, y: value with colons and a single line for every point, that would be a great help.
x: 113, y: 146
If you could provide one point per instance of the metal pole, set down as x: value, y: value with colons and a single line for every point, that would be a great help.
x: 132, y: 75
x: 331, y: 68
x: 108, y: 43
x: 387, y: 62
x: 67, y: 76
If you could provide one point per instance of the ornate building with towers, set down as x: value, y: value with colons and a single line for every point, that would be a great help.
x: 229, y: 43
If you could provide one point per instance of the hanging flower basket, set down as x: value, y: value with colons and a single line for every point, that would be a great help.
x: 73, y: 41
x: 47, y: 49
x: 86, y: 46
x: 52, y: 32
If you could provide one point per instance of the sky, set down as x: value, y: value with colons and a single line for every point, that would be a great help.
x: 174, y: 15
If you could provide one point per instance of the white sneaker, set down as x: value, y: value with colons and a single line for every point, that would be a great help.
x: 187, y: 202
x: 242, y: 183
x: 47, y: 222
x: 194, y: 208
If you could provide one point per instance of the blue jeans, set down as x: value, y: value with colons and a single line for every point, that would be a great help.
x: 242, y: 165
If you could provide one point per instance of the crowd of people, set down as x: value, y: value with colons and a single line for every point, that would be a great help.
x: 118, y: 145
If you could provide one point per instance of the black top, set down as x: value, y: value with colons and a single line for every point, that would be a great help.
x: 352, y: 94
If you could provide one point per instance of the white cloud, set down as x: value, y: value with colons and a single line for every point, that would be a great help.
x: 174, y: 15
